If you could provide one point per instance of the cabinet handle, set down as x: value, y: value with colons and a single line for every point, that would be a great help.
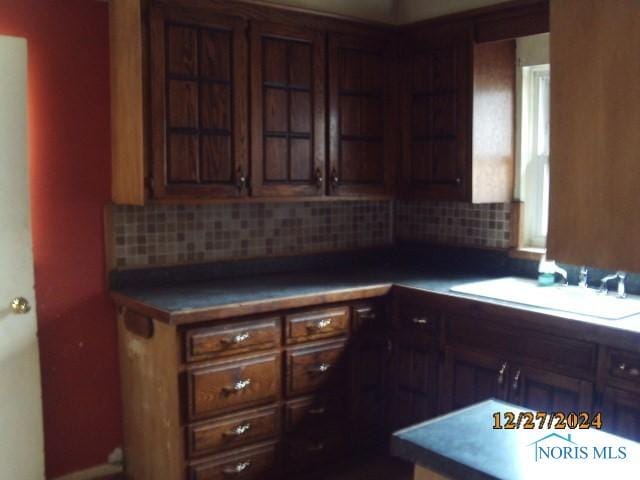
x: 320, y: 324
x: 319, y: 369
x: 389, y: 349
x: 501, y: 372
x: 334, y: 178
x: 316, y: 448
x: 633, y: 371
x: 238, y: 430
x: 241, y: 182
x: 516, y: 380
x: 236, y: 339
x: 420, y: 321
x: 319, y: 178
x: 317, y: 411
x: 238, y: 386
x: 237, y: 469
x: 367, y: 315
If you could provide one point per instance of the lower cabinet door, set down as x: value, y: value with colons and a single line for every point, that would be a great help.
x: 470, y: 377
x: 541, y: 390
x: 415, y: 388
x: 259, y: 462
x: 621, y: 413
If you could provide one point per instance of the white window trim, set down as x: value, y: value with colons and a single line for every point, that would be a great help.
x: 534, y: 165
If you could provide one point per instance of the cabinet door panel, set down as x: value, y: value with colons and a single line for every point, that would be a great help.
x: 198, y: 103
x: 436, y: 110
x: 471, y: 377
x: 621, y: 413
x: 415, y: 376
x: 361, y: 115
x: 546, y: 391
x: 287, y: 114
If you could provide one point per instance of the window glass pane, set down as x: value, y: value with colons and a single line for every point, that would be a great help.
x: 543, y: 113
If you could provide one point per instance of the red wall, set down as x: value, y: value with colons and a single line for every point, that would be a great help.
x: 70, y: 183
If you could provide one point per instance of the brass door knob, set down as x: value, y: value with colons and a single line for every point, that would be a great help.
x: 20, y: 305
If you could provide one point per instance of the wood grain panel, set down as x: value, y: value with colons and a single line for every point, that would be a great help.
x: 231, y: 385
x: 312, y: 368
x: 360, y: 111
x: 198, y: 103
x: 595, y: 120
x: 291, y: 59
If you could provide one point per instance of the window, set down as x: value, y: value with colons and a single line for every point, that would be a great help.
x: 534, y: 153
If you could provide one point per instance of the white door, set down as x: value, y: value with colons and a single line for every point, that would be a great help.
x: 21, y: 438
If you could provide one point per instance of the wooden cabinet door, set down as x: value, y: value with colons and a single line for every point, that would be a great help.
x: 470, y: 377
x: 436, y: 113
x: 198, y: 103
x: 415, y: 376
x: 287, y: 111
x: 361, y: 116
x: 546, y: 391
x: 621, y: 413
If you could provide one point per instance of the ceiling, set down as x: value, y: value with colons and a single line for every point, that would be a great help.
x: 388, y: 11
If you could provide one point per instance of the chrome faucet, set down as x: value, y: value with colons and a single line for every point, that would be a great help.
x: 583, y: 277
x: 621, y: 277
x: 563, y: 273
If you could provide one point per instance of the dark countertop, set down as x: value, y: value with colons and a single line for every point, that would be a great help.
x: 464, y: 445
x: 259, y: 293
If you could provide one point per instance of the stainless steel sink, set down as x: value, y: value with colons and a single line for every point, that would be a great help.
x: 567, y: 299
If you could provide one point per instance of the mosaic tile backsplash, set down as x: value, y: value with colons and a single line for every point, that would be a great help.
x: 454, y: 223
x: 180, y: 234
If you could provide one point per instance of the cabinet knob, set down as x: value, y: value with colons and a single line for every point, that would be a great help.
x: 334, y: 178
x: 319, y: 178
x: 238, y: 430
x: 238, y: 386
x: 323, y: 324
x: 516, y: 380
x: 319, y: 369
x: 420, y: 321
x: 241, y: 182
x: 501, y: 373
x: 236, y: 339
x: 317, y: 411
x: 458, y: 181
x: 236, y: 469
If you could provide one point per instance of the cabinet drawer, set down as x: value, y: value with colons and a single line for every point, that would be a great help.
x: 255, y: 463
x: 231, y: 385
x: 313, y: 448
x: 368, y: 317
x: 624, y: 368
x: 317, y: 324
x: 231, y: 338
x: 412, y: 314
x: 233, y: 431
x: 313, y: 412
x: 557, y: 354
x: 312, y: 368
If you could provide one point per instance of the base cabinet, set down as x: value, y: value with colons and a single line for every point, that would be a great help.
x: 621, y: 412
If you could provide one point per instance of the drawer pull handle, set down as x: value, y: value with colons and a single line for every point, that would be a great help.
x: 317, y: 411
x: 320, y: 324
x: 633, y: 371
x: 237, y: 469
x: 238, y: 430
x: 501, y: 373
x: 316, y: 448
x: 367, y: 315
x: 420, y: 321
x: 238, y: 386
x: 516, y: 380
x: 236, y: 339
x: 319, y: 369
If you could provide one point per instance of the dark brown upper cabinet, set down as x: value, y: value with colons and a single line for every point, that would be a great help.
x: 360, y: 115
x: 435, y: 107
x: 198, y: 104
x: 287, y: 111
x: 458, y: 115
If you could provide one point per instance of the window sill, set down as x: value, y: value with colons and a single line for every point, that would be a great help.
x: 527, y: 253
